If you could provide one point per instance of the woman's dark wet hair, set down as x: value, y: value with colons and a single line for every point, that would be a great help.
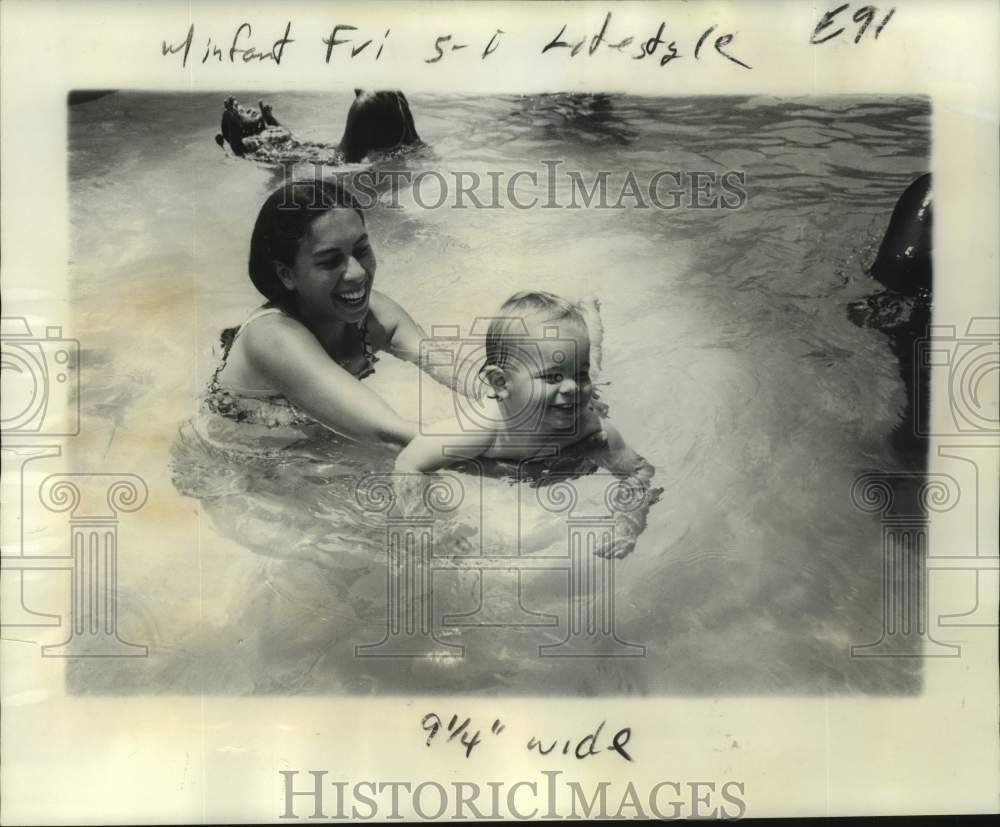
x: 283, y: 221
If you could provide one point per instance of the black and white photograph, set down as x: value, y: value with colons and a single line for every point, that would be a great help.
x: 706, y: 304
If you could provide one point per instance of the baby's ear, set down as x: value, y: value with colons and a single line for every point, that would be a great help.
x: 493, y: 375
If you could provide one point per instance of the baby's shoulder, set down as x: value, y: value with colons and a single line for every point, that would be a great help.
x: 592, y: 428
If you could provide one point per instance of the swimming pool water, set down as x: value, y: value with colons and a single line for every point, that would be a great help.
x: 732, y: 366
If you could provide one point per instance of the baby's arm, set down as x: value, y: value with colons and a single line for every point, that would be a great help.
x: 430, y: 452
x: 621, y: 460
x: 635, y: 474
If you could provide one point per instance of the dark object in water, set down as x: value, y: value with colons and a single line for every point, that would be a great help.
x: 377, y: 121
x: 239, y: 123
x: 884, y: 310
x: 267, y: 115
x: 903, y: 263
x: 78, y: 96
x: 903, y: 311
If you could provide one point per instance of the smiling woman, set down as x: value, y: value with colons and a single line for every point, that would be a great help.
x: 301, y: 355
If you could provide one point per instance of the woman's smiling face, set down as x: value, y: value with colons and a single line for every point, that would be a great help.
x: 334, y: 268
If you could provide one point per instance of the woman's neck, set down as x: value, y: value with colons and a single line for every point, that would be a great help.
x: 331, y: 332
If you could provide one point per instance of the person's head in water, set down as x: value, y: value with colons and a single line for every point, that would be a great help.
x: 310, y: 254
x: 267, y: 113
x: 538, y: 361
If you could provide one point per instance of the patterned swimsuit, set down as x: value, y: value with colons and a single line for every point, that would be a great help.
x: 260, y: 406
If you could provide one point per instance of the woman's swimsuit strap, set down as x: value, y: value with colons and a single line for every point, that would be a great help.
x: 260, y: 311
x: 259, y: 393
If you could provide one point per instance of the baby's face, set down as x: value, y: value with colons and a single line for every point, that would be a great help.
x: 549, y: 375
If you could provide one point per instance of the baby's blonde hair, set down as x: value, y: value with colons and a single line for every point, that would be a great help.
x: 510, y: 323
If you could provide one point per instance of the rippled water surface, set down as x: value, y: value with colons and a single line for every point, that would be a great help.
x: 731, y: 361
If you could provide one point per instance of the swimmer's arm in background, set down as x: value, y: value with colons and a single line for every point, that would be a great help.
x: 403, y: 338
x: 430, y: 452
x: 635, y: 473
x: 298, y: 368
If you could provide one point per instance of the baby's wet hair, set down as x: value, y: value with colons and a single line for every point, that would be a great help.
x: 509, y: 324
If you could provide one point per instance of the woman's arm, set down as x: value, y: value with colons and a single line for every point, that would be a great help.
x: 403, y: 338
x: 295, y: 364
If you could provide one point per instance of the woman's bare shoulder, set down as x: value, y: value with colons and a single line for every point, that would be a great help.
x: 276, y: 334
